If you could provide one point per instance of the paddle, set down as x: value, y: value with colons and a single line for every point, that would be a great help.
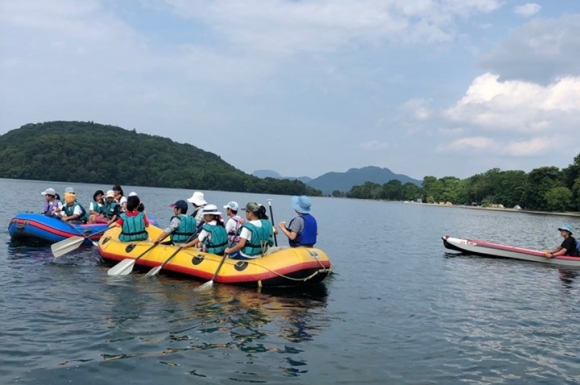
x: 61, y: 248
x: 209, y: 283
x: 157, y: 269
x: 125, y: 267
x: 272, y: 218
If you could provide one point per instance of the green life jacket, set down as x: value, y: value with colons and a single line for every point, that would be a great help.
x: 99, y: 209
x: 261, y: 238
x: 70, y: 210
x: 109, y: 209
x: 133, y: 228
x: 185, y: 229
x: 219, y: 239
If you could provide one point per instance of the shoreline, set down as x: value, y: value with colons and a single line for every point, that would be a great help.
x: 563, y: 214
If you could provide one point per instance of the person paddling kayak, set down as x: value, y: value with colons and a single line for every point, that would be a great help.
x: 568, y: 246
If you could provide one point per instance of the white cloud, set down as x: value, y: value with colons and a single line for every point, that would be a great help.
x: 468, y: 144
x: 517, y: 105
x: 533, y: 146
x: 451, y: 131
x: 527, y: 10
x: 540, y: 51
x: 418, y: 109
x: 373, y: 145
x: 284, y: 26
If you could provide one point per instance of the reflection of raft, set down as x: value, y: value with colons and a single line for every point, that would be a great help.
x: 287, y: 267
x: 40, y: 228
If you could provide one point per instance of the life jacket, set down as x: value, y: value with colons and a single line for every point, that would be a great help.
x: 70, y: 210
x: 185, y: 229
x: 307, y: 236
x: 217, y: 240
x: 98, y: 208
x: 576, y: 252
x: 234, y: 236
x: 261, y: 238
x: 133, y: 228
x: 109, y: 209
x: 50, y: 206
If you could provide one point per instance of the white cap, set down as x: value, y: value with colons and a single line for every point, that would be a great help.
x: 232, y: 206
x: 110, y: 194
x: 48, y: 191
x: 132, y: 194
x: 197, y: 199
x: 211, y: 210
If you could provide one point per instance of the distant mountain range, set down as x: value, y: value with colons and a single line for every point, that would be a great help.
x: 275, y: 175
x: 344, y: 181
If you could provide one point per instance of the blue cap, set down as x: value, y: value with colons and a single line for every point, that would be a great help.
x: 567, y: 228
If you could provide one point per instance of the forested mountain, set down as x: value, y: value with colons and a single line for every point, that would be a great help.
x: 344, y: 181
x: 94, y: 153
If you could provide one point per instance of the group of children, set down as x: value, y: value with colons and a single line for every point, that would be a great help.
x: 205, y: 229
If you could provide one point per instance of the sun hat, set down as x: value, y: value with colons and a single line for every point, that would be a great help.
x: 567, y: 228
x: 301, y: 204
x: 180, y: 204
x: 197, y: 199
x: 232, y: 206
x: 69, y: 190
x: 110, y: 194
x: 48, y: 191
x: 132, y: 194
x: 211, y: 210
x: 252, y: 207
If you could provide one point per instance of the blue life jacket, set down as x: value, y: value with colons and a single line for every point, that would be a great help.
x: 185, y: 230
x: 219, y: 239
x: 307, y: 236
x: 133, y: 228
x: 261, y: 238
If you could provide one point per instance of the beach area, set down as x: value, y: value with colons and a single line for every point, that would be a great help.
x: 502, y: 209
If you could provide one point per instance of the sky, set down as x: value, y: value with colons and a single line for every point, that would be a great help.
x: 304, y: 87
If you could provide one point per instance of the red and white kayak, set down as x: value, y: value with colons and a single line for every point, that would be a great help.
x: 488, y: 249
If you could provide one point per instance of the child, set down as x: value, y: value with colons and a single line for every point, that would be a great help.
x: 182, y: 227
x: 213, y: 236
x: 133, y: 223
x: 52, y: 205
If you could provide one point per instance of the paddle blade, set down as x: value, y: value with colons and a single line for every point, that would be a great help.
x: 154, y: 271
x: 205, y: 286
x: 61, y: 248
x: 122, y: 268
x: 96, y: 244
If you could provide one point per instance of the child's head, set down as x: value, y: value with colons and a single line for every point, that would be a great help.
x: 180, y: 207
x: 132, y: 203
x: 210, y: 213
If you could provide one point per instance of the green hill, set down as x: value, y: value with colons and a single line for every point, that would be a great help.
x: 94, y: 153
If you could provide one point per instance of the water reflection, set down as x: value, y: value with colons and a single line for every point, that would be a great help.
x: 567, y: 276
x: 245, y: 325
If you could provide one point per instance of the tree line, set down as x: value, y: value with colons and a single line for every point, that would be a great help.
x: 542, y: 189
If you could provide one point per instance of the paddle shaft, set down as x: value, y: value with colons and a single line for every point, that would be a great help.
x: 155, y: 270
x: 272, y: 218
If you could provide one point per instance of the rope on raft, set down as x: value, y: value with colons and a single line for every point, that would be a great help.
x: 319, y: 271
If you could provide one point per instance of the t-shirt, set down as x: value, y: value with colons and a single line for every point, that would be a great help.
x: 204, y: 234
x: 233, y: 225
x: 296, y: 225
x: 570, y: 245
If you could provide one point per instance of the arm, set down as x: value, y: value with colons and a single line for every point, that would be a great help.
x: 290, y: 234
x: 237, y: 247
x: 173, y: 225
x: 76, y: 215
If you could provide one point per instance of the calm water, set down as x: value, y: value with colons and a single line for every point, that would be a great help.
x: 399, y: 308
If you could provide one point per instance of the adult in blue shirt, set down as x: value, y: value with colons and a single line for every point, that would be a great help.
x: 303, y: 229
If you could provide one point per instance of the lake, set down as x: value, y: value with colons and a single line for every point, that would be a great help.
x: 399, y: 308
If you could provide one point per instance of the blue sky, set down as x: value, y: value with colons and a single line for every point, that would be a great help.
x: 423, y: 87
